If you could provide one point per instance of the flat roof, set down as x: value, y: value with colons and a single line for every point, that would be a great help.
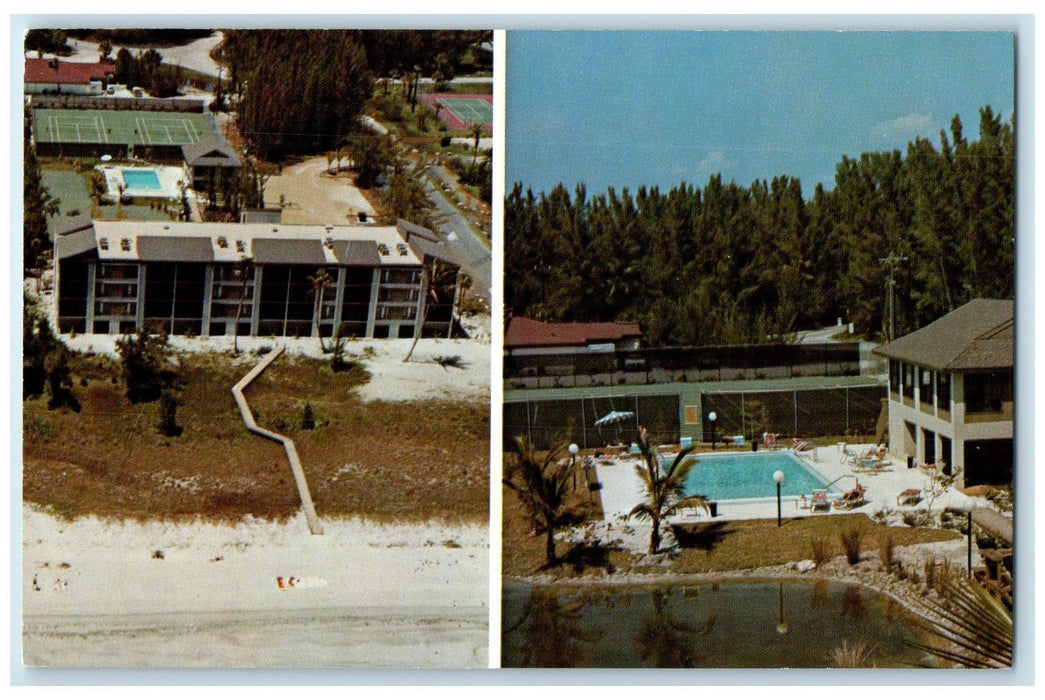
x: 265, y: 242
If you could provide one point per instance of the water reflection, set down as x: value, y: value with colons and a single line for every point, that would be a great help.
x: 666, y: 641
x: 772, y: 624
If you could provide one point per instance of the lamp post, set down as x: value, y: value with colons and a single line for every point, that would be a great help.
x: 778, y: 477
x: 573, y: 449
x: 712, y: 417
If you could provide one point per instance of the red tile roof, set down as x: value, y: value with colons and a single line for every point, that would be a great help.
x: 526, y: 332
x: 40, y: 70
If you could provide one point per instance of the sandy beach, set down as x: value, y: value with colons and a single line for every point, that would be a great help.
x: 154, y: 594
x: 260, y: 594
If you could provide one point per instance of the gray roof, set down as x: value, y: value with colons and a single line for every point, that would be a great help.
x: 70, y: 243
x: 424, y: 248
x: 175, y: 249
x: 363, y: 253
x: 71, y: 224
x: 210, y: 152
x: 261, y: 216
x: 289, y: 251
x: 978, y: 335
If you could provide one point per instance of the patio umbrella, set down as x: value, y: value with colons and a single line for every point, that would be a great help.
x: 613, y: 417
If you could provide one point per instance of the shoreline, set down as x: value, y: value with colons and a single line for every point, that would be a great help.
x: 99, y: 593
x: 868, y: 573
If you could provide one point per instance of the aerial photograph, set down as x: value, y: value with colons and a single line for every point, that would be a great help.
x: 758, y: 362
x: 256, y: 348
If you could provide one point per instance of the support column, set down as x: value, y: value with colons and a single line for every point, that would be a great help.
x: 375, y: 286
x: 208, y: 297
x: 339, y: 297
x: 92, y: 271
x: 139, y: 311
x: 255, y: 300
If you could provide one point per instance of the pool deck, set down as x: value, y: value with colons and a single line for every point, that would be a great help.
x: 621, y: 488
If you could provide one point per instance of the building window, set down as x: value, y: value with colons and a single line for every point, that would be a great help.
x: 894, y: 376
x: 985, y: 392
x: 943, y: 391
x: 907, y: 372
x: 926, y: 391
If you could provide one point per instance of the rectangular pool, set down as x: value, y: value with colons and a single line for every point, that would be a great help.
x: 750, y: 475
x: 141, y: 180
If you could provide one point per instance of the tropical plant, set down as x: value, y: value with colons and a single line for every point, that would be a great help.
x: 851, y: 540
x: 438, y: 282
x: 245, y: 272
x: 319, y: 281
x: 663, y: 487
x: 851, y: 656
x: 147, y: 369
x: 542, y: 484
x: 972, y: 628
x: 667, y: 642
x: 477, y: 132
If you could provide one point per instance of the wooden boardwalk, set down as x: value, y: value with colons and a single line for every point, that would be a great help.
x: 288, y: 445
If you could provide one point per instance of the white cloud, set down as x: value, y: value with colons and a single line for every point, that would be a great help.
x: 714, y: 162
x: 904, y: 129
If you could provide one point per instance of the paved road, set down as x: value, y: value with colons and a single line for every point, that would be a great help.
x: 821, y: 335
x: 460, y: 234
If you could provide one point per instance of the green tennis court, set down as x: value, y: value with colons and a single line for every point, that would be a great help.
x: 120, y: 127
x: 469, y: 110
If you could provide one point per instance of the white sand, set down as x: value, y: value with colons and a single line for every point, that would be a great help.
x: 367, y: 595
x: 364, y: 595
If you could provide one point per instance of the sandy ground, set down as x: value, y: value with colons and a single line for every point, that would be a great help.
x: 194, y: 55
x: 154, y: 594
x: 109, y: 594
x: 311, y: 196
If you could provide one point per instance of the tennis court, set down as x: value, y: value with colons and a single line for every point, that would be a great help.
x: 96, y: 126
x: 459, y: 112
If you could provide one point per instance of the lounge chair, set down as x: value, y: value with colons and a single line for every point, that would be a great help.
x: 738, y: 440
x: 819, y: 501
x: 909, y: 497
x: 798, y: 445
x: 851, y: 499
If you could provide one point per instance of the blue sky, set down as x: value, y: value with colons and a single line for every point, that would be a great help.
x: 620, y: 108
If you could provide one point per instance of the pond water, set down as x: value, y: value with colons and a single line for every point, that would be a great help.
x: 768, y: 624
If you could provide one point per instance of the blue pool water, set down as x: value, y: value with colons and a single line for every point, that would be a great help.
x: 141, y: 179
x: 750, y: 475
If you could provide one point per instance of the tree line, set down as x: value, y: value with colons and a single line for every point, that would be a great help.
x: 734, y: 264
x: 302, y: 91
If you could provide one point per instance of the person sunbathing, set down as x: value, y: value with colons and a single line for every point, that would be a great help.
x: 856, y: 494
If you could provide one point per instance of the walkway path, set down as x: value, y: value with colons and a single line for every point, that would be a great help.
x: 288, y: 444
x: 994, y: 522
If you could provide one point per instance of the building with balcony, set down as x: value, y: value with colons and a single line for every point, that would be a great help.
x: 213, y: 279
x: 951, y: 392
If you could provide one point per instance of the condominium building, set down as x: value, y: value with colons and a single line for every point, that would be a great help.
x: 261, y: 279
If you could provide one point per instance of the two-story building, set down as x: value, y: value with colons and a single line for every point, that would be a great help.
x: 951, y: 392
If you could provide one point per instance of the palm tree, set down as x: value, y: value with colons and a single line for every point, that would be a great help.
x: 477, y: 132
x: 542, y: 485
x: 438, y: 280
x: 245, y: 271
x: 663, y: 488
x: 973, y: 629
x: 320, y: 281
x: 666, y: 642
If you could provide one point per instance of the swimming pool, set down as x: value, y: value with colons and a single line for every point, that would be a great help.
x: 750, y: 475
x: 141, y: 180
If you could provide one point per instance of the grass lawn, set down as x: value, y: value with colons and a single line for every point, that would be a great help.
x: 71, y: 190
x: 384, y: 461
x: 713, y: 546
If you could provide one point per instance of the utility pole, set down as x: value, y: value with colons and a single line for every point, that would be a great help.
x: 891, y: 261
